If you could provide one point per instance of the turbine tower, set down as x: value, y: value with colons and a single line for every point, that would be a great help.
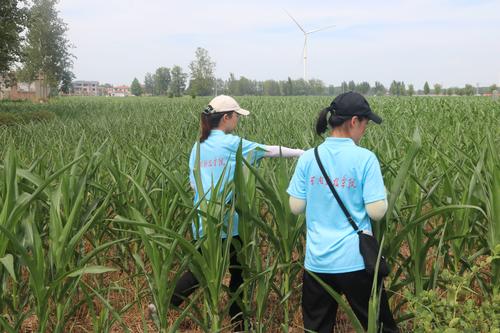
x: 306, y: 33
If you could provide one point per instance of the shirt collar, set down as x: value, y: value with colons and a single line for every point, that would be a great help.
x: 339, y: 141
x: 217, y: 132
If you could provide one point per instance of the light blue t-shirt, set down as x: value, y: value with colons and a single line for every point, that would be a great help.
x: 218, y: 155
x: 332, y: 245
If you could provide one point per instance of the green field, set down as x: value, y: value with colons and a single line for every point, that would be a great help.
x: 95, y: 207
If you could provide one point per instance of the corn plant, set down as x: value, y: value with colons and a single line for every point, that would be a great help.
x: 103, y: 183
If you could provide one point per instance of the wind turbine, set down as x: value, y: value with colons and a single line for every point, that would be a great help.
x: 306, y: 33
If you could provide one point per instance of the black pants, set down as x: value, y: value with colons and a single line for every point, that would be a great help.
x: 319, y: 309
x: 188, y: 283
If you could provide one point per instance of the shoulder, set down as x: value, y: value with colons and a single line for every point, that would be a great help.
x: 308, y: 155
x: 195, y: 146
x: 232, y: 139
x: 306, y: 158
x: 364, y: 155
x: 193, y: 150
x: 368, y: 161
x: 247, y: 145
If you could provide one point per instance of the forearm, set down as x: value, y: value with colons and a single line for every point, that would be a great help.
x: 376, y: 210
x: 280, y: 151
x: 297, y: 206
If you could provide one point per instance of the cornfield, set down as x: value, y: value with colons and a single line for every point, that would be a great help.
x: 96, y: 212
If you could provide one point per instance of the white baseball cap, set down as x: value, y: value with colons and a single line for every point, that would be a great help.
x: 223, y: 103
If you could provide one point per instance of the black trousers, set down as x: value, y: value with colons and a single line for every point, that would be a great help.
x: 319, y: 309
x: 188, y: 283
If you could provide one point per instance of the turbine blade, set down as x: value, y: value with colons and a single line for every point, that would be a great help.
x: 313, y: 31
x: 294, y: 20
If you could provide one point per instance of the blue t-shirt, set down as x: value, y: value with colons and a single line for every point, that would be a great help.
x: 332, y: 245
x: 218, y: 155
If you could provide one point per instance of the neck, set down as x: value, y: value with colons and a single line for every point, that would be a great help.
x: 222, y: 128
x: 340, y: 133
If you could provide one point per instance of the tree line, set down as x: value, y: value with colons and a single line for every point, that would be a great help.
x: 34, y: 44
x: 173, y: 82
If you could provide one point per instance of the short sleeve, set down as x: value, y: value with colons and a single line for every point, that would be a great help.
x: 192, y: 160
x: 252, y: 151
x: 297, y: 187
x: 373, y: 183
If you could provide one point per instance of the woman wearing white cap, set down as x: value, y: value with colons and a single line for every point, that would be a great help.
x: 217, y: 158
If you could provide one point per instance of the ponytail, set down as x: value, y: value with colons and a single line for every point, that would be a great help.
x: 333, y: 120
x: 204, y: 127
x: 209, y: 121
x: 322, y: 122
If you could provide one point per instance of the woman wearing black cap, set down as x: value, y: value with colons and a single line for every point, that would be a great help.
x: 332, y: 246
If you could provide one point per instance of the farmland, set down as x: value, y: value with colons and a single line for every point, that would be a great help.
x: 96, y: 207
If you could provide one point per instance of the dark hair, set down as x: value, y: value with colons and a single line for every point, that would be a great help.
x: 333, y: 120
x: 210, y: 121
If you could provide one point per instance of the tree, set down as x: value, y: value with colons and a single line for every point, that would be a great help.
x: 397, y: 88
x: 351, y: 86
x: 271, y: 88
x: 47, y: 49
x: 136, y: 88
x: 178, y: 82
x: 66, y: 82
x: 344, y: 86
x: 161, y: 81
x: 401, y: 89
x: 316, y: 87
x: 427, y: 90
x: 233, y: 85
x: 363, y: 88
x: 220, y: 86
x: 202, y: 73
x: 300, y: 87
x: 469, y: 90
x: 379, y: 89
x: 393, y: 89
x: 411, y: 90
x: 289, y: 87
x: 493, y: 87
x: 259, y: 87
x: 13, y: 20
x: 149, y: 84
x: 247, y: 87
x: 437, y: 89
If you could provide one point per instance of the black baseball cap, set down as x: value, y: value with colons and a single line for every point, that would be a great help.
x: 351, y: 104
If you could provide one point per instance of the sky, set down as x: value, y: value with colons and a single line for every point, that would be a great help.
x: 447, y: 42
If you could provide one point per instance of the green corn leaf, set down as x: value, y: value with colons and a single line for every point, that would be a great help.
x: 8, y: 262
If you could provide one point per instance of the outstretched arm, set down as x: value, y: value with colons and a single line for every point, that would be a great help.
x: 280, y: 151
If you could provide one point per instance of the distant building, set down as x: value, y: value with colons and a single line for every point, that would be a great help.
x: 35, y: 91
x: 92, y: 88
x: 85, y: 88
x: 119, y: 91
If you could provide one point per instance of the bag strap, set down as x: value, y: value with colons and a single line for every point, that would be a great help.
x: 335, y: 194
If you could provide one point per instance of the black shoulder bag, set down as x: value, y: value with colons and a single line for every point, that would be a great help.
x: 368, y: 245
